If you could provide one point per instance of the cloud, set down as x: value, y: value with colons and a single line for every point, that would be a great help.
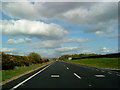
x: 113, y: 36
x: 39, y: 10
x: 21, y: 10
x: 81, y: 41
x: 104, y: 50
x: 9, y: 50
x: 18, y: 41
x: 80, y: 13
x: 50, y: 53
x: 102, y: 28
x: 48, y: 44
x: 37, y: 29
x: 98, y: 12
x: 87, y: 51
x: 67, y: 49
x: 52, y: 44
x: 101, y: 15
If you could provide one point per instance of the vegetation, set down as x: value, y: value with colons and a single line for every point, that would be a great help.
x: 11, y: 61
x: 7, y: 74
x: 99, y: 62
x: 35, y: 58
x: 65, y: 57
x: 13, y: 65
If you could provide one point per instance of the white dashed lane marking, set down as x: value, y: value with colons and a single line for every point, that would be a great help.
x: 77, y: 76
x: 55, y: 76
x: 100, y: 75
x: 97, y: 69
x: 90, y: 85
x: 109, y: 72
x: 67, y: 67
x: 102, y: 71
x: 118, y: 74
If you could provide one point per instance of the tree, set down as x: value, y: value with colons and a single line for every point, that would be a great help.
x: 36, y: 58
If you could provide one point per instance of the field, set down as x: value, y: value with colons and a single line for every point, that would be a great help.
x: 112, y: 63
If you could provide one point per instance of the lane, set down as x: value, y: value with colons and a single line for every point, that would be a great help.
x: 20, y: 79
x: 21, y: 83
x: 96, y: 78
x: 61, y: 78
x: 67, y: 75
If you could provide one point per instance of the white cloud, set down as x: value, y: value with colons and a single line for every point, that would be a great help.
x: 49, y: 44
x: 81, y: 13
x: 98, y: 12
x: 22, y: 10
x: 76, y: 40
x: 50, y: 53
x: 104, y: 50
x: 37, y: 29
x: 103, y: 28
x: 101, y: 15
x: 113, y: 36
x: 18, y: 41
x: 9, y: 50
x: 87, y: 51
x: 52, y: 44
x: 107, y: 50
x: 67, y: 49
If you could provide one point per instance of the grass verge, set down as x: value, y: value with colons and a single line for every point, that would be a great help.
x: 112, y: 63
x: 9, y: 75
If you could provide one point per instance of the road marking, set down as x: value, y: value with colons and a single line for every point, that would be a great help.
x: 90, y: 85
x: 67, y: 67
x: 55, y: 76
x: 118, y: 74
x: 97, y: 70
x: 100, y: 75
x: 77, y: 76
x: 109, y: 72
x: 29, y: 78
x: 102, y: 71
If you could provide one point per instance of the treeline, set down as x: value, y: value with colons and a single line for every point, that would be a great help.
x: 10, y: 61
x: 83, y: 56
x: 112, y: 55
x: 73, y: 56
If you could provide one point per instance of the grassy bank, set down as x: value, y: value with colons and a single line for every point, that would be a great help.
x: 8, y: 74
x: 111, y: 63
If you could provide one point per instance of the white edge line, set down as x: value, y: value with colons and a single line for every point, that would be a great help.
x: 29, y: 78
x: 77, y: 76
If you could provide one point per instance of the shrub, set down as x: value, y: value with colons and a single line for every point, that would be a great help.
x: 7, y: 62
x: 36, y: 58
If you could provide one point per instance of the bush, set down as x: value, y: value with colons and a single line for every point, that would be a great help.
x: 7, y: 62
x: 36, y: 58
x: 10, y: 61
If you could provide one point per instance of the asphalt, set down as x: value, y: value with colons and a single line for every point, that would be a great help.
x: 66, y: 75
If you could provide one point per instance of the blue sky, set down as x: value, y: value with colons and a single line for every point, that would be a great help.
x: 55, y: 29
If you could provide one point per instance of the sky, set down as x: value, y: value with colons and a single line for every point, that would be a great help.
x: 53, y: 29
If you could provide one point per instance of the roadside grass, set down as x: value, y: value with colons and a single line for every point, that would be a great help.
x: 8, y: 74
x: 112, y: 63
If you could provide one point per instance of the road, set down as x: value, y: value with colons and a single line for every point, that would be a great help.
x: 66, y: 75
